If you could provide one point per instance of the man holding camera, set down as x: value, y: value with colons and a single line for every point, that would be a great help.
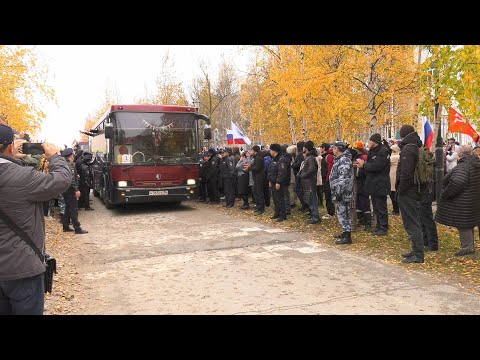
x: 22, y: 192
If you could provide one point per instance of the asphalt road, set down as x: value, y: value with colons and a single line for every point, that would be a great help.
x: 193, y: 259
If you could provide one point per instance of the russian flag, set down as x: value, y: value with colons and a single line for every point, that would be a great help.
x: 232, y: 140
x: 229, y: 137
x: 428, y: 134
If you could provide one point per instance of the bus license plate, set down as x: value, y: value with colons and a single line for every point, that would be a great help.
x: 158, y: 192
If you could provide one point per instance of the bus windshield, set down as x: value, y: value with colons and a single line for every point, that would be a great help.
x: 150, y: 138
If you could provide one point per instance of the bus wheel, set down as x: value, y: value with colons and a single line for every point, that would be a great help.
x: 110, y: 206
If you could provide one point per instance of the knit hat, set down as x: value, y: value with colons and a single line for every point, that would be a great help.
x: 358, y: 145
x: 276, y: 147
x: 405, y: 130
x: 376, y: 138
x: 309, y: 145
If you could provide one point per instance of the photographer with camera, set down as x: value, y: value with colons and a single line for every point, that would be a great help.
x: 22, y: 192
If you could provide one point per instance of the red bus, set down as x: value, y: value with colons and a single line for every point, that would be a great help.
x: 147, y: 153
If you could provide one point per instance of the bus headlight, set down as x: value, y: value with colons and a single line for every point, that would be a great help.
x: 122, y: 184
x: 191, y: 182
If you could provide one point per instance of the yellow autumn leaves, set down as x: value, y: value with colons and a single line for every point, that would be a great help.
x: 328, y: 92
x: 23, y: 87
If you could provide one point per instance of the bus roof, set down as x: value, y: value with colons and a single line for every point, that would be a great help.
x: 152, y: 108
x: 145, y: 108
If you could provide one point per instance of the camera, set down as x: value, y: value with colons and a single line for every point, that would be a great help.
x: 33, y: 148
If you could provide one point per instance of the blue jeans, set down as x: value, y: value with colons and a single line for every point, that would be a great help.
x: 22, y: 296
x: 313, y: 205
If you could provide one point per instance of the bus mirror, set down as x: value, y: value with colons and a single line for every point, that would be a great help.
x: 207, y: 133
x: 108, y: 131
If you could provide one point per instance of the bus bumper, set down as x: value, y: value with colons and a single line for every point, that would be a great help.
x: 131, y: 195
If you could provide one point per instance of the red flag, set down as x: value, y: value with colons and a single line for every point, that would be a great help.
x: 456, y: 123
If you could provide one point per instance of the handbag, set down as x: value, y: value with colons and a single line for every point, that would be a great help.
x: 49, y: 261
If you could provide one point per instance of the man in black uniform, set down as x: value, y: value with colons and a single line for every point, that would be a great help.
x: 70, y: 196
x: 212, y: 177
x: 227, y: 175
x: 258, y: 170
x: 85, y: 183
x: 202, y: 183
x: 277, y: 177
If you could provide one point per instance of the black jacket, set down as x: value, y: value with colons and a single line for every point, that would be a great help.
x: 213, y: 167
x: 258, y: 167
x: 227, y: 167
x: 377, y: 169
x: 287, y: 160
x: 277, y: 172
x: 405, y: 182
x: 458, y: 205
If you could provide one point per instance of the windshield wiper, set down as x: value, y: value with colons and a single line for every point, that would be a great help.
x: 174, y: 158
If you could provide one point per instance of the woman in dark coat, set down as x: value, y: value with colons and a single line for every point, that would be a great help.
x: 460, y: 198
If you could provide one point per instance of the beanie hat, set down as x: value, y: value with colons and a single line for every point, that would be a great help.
x: 377, y: 138
x: 405, y: 130
x: 309, y: 145
x: 276, y: 147
x: 358, y: 145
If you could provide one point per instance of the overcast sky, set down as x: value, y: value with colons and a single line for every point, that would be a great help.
x: 81, y: 73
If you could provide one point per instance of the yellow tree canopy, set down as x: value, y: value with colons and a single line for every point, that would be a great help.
x: 23, y: 87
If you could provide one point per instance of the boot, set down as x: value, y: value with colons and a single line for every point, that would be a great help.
x: 346, y: 238
x: 360, y: 218
x: 80, y: 231
x: 367, y: 218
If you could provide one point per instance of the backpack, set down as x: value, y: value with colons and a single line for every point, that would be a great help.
x: 424, y: 171
x: 267, y: 160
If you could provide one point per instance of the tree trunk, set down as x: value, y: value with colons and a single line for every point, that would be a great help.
x: 290, y: 122
x: 416, y: 117
x: 339, y: 127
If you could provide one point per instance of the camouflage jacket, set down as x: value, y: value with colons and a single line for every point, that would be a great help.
x: 341, y: 178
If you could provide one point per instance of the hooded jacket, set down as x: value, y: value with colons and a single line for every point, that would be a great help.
x: 22, y: 192
x: 377, y: 170
x: 406, y: 166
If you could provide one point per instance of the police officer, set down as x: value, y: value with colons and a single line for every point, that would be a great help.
x: 278, y: 181
x: 341, y: 187
x: 202, y: 183
x: 85, y: 182
x: 70, y: 196
x: 227, y: 174
x: 212, y: 177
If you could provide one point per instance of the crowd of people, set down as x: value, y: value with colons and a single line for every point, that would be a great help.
x: 353, y: 182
